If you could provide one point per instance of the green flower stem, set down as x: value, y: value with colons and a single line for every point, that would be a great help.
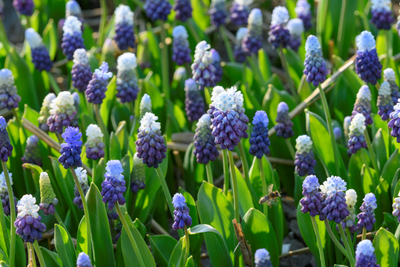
x: 226, y: 171
x: 256, y: 70
x: 349, y: 240
x: 319, y: 243
x: 264, y: 185
x: 102, y: 125
x: 103, y: 21
x: 164, y: 61
x: 330, y: 128
x: 193, y: 30
x: 209, y: 173
x: 31, y: 255
x: 371, y: 151
x: 228, y: 46
x: 187, y: 244
x: 85, y: 209
x: 364, y: 234
x: 346, y: 244
x: 341, y: 23
x: 234, y: 186
x: 290, y: 147
x: 12, y: 212
x: 59, y: 220
x: 286, y: 68
x: 39, y: 254
x: 366, y: 165
x: 334, y: 239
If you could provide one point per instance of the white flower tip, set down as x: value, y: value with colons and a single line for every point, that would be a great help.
x: 385, y: 90
x: 149, y: 123
x: 357, y: 124
x: 389, y: 75
x: 80, y: 57
x: 6, y: 77
x: 3, y: 183
x: 280, y: 15
x: 33, y: 38
x: 44, y: 175
x: 333, y: 185
x: 205, y: 120
x: 351, y: 197
x: 123, y: 14
x: 216, y: 91
x: 190, y: 85
x: 237, y: 96
x: 244, y: 2
x: 180, y: 31
x: 27, y: 206
x: 81, y: 174
x: 365, y: 41
x: 295, y: 27
x: 224, y: 101
x: 145, y: 102
x: 72, y: 8
x: 312, y: 44
x: 126, y: 61
x: 255, y: 17
x: 380, y: 5
x: 302, y: 7
x: 48, y: 99
x: 71, y: 25
x: 261, y: 256
x: 241, y: 33
x: 93, y: 131
x: 364, y: 93
x: 63, y: 99
x: 303, y: 144
x: 136, y: 159
x: 365, y: 248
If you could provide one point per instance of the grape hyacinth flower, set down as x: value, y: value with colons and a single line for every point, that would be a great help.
x: 40, y: 55
x: 259, y: 141
x: 296, y: 29
x: 150, y: 145
x: 96, y: 90
x: 180, y: 46
x: 71, y: 149
x: 5, y: 147
x: 72, y: 8
x: 365, y: 255
x: 24, y: 7
x: 396, y: 207
x: 81, y: 174
x: 315, y: 65
x: 238, y: 53
x: 252, y: 42
x: 382, y: 14
x: 32, y: 151
x: 217, y: 64
x: 145, y: 105
x: 45, y: 112
x: 204, y: 144
x: 367, y: 65
x: 334, y: 207
x: 48, y: 200
x: 124, y: 35
x: 81, y: 72
x: 337, y: 132
x: 390, y: 77
x: 94, y: 144
x: 218, y: 13
x: 28, y: 224
x: 312, y: 200
x: 113, y: 187
x: 127, y: 82
x: 284, y: 128
x: 350, y: 221
x: 346, y: 127
x: 240, y: 11
x: 157, y: 9
x: 4, y: 196
x: 356, y: 135
x: 304, y: 157
x: 303, y: 11
x: 385, y: 101
x: 262, y: 258
x: 72, y: 37
x: 363, y: 104
x: 138, y: 175
x: 181, y: 212
x: 395, y: 121
x: 194, y: 103
x: 279, y: 35
x: 9, y: 97
x: 202, y: 68
x: 62, y: 112
x: 183, y: 10
x: 83, y: 260
x: 366, y: 218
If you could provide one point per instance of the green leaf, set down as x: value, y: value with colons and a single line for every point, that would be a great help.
x: 140, y: 227
x: 386, y: 248
x: 115, y: 148
x: 390, y: 221
x: 191, y: 262
x: 177, y: 258
x: 264, y: 64
x: 81, y: 237
x: 105, y: 108
x: 200, y: 13
x: 380, y: 149
x: 64, y: 246
x: 246, y: 201
x: 383, y: 201
x: 50, y: 38
x: 162, y: 247
x: 391, y: 167
x: 52, y: 259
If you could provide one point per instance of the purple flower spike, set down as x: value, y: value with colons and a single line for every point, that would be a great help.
x: 390, y: 77
x: 194, y: 103
x: 252, y: 42
x: 4, y: 195
x: 312, y: 200
x: 218, y: 12
x: 94, y: 144
x: 259, y: 140
x: 204, y: 144
x: 238, y: 52
x: 124, y: 35
x: 81, y: 72
x: 216, y: 61
x: 279, y: 35
x: 71, y: 149
x: 356, y: 135
x: 394, y: 122
x: 96, y: 90
x: 396, y: 208
x: 127, y: 82
x: 183, y: 10
x: 385, y: 101
x: 157, y: 9
x: 296, y: 29
x: 9, y: 97
x: 240, y: 11
x: 315, y: 66
x: 180, y: 46
x: 24, y: 7
x: 304, y: 158
x: 72, y: 37
x: 366, y: 218
x: 40, y: 55
x: 48, y: 200
x: 304, y: 13
x: 365, y: 255
x: 83, y: 181
x: 363, y: 104
x: 5, y: 147
x: 138, y: 175
x: 32, y: 151
x: 83, y: 260
x: 262, y: 258
x: 45, y: 112
x: 351, y: 200
x: 334, y: 207
x: 382, y: 14
x: 284, y: 128
x: 181, y: 212
x: 203, y: 69
x: 113, y: 187
x: 62, y: 112
x: 367, y: 63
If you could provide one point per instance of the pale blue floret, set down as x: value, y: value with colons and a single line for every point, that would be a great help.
x: 261, y: 117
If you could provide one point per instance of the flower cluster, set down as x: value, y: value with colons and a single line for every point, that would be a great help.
x: 96, y: 90
x: 40, y: 55
x: 240, y: 11
x: 356, y: 135
x: 124, y: 35
x: 71, y: 149
x: 204, y: 144
x: 113, y: 187
x: 279, y: 35
x: 390, y: 77
x: 127, y: 82
x: 4, y: 195
x: 62, y: 112
x: 365, y: 255
x: 303, y: 11
x: 312, y: 200
x: 367, y: 65
x: 194, y: 103
x: 363, y: 104
x: 24, y: 7
x: 284, y: 128
x: 8, y: 91
x: 83, y: 260
x: 262, y: 258
x: 394, y: 121
x: 183, y: 10
x: 396, y: 207
x: 145, y: 105
x: 138, y: 175
x: 382, y: 14
x: 94, y: 144
x: 346, y: 127
x: 304, y: 157
x: 366, y: 218
x: 334, y: 207
x: 157, y: 9
x: 216, y: 61
x: 181, y: 212
x: 350, y: 221
x: 238, y: 53
x: 385, y: 101
x: 32, y: 151
x: 259, y: 141
x: 48, y: 200
x: 72, y: 37
x: 202, y: 68
x: 315, y: 66
x: 5, y: 147
x: 252, y: 41
x: 81, y: 72
x: 296, y: 29
x: 180, y: 46
x: 218, y: 12
x: 81, y: 174
x: 45, y: 112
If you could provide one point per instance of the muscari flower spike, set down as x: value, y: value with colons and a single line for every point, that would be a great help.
x: 350, y: 221
x: 32, y: 151
x: 138, y: 175
x: 390, y: 77
x: 284, y: 128
x: 127, y: 82
x: 83, y: 260
x: 124, y: 35
x: 259, y: 141
x: 337, y: 132
x: 96, y: 90
x: 40, y: 54
x: 303, y: 11
x: 304, y: 157
x: 385, y: 101
x: 183, y: 10
x: 45, y: 112
x: 394, y: 122
x: 24, y: 7
x: 150, y: 145
x: 48, y: 200
x: 28, y: 224
x: 238, y: 53
x: 180, y: 46
x: 366, y: 218
x: 71, y: 149
x: 4, y: 196
x: 218, y: 12
x: 9, y: 97
x: 204, y: 144
x: 145, y: 105
x: 94, y: 143
x: 240, y: 11
x: 62, y: 112
x: 334, y: 207
x: 157, y: 9
x: 365, y: 255
x: 252, y: 42
x: 367, y: 65
x: 72, y: 37
x: 113, y: 187
x: 5, y: 147
x: 204, y: 72
x: 279, y: 35
x: 81, y: 72
x: 315, y: 65
x: 363, y: 104
x: 356, y: 135
x: 296, y: 29
x: 81, y: 174
x: 181, y: 212
x: 313, y: 198
x: 262, y: 258
x: 72, y: 8
x: 194, y: 103
x: 382, y: 14
x: 396, y: 207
